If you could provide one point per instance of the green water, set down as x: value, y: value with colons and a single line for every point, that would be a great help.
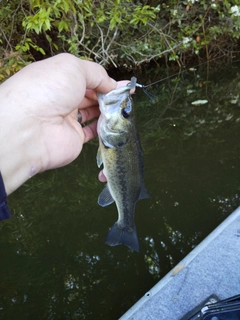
x: 53, y: 260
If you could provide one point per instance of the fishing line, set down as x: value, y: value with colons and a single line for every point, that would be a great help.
x: 151, y: 96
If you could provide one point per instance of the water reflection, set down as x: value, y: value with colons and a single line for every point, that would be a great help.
x: 151, y: 259
x: 54, y: 263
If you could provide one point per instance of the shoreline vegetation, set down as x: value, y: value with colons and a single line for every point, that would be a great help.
x: 118, y: 34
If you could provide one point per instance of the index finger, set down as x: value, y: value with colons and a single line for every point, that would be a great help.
x: 90, y: 97
x: 96, y: 77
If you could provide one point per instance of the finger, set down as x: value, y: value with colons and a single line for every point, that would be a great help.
x: 91, y: 94
x: 90, y: 131
x: 86, y: 102
x: 96, y: 77
x: 101, y: 176
x: 90, y: 98
x: 123, y: 83
x: 89, y: 114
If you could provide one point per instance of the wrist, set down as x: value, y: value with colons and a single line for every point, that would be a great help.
x: 17, y: 163
x: 20, y: 158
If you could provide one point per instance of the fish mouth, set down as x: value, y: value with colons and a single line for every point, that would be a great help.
x: 112, y: 97
x: 128, y: 87
x: 115, y: 97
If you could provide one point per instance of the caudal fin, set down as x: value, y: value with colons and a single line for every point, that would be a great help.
x: 118, y: 236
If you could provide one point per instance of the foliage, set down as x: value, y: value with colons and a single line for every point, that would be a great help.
x: 117, y: 32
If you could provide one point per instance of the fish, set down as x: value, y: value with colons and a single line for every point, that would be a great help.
x: 121, y: 155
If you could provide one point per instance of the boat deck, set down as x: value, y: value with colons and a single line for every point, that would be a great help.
x: 212, y: 268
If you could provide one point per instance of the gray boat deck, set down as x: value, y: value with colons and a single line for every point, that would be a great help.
x: 213, y: 267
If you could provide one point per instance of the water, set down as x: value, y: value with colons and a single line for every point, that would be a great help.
x: 54, y: 263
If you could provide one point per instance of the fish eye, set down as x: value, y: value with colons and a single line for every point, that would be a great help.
x: 125, y: 113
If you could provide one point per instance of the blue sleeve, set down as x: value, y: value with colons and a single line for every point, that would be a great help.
x: 4, y: 211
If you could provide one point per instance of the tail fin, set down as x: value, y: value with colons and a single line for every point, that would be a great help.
x: 118, y: 236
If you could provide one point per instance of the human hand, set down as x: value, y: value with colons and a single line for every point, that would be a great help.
x: 38, y: 115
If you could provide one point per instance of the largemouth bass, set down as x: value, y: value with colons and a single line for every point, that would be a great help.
x: 121, y: 155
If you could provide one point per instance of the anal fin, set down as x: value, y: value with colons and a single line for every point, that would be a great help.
x: 143, y: 193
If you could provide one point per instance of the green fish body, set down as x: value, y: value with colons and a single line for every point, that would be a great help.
x: 121, y: 155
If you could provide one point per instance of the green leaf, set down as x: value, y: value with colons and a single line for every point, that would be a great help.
x: 63, y: 26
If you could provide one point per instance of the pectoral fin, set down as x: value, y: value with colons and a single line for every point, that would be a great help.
x: 105, y: 197
x: 99, y: 158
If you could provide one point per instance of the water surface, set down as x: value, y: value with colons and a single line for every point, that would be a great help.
x: 54, y: 263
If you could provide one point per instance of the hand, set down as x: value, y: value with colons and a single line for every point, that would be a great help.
x: 38, y: 115
x: 102, y: 177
